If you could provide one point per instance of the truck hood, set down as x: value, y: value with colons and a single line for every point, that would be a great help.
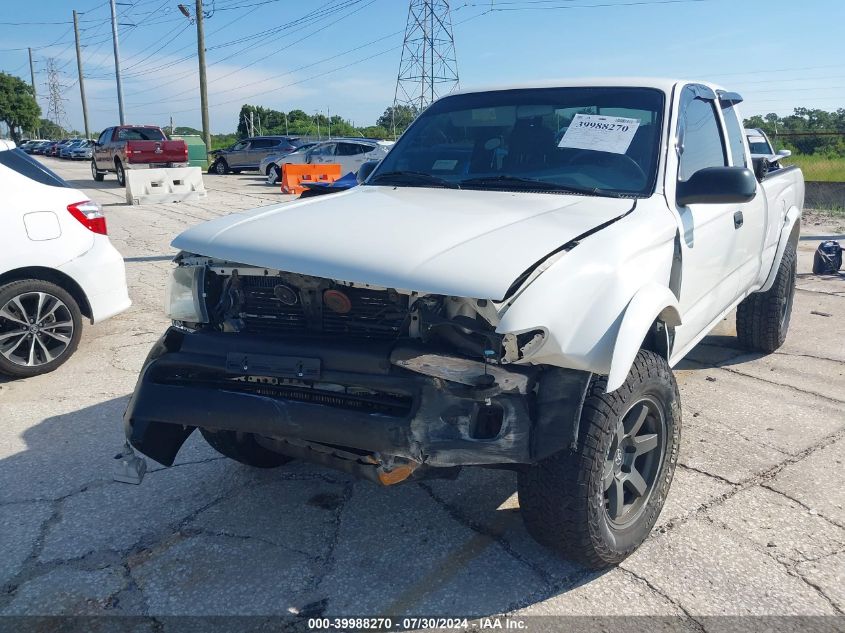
x: 441, y: 241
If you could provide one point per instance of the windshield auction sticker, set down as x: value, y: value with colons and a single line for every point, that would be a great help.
x: 600, y: 133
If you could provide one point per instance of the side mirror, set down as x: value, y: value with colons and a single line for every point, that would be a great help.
x: 718, y: 185
x: 366, y: 169
x: 785, y: 153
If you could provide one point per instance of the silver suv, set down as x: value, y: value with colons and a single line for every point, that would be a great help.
x: 246, y: 155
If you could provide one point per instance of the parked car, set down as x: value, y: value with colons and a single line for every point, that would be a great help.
x: 54, y: 148
x: 135, y: 147
x: 509, y: 288
x: 39, y: 147
x: 43, y: 148
x: 763, y: 154
x: 82, y: 151
x: 66, y: 149
x: 31, y: 144
x: 57, y: 266
x: 349, y: 153
x: 246, y: 155
x: 34, y: 146
x: 269, y: 163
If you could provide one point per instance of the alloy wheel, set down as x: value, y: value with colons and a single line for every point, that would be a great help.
x: 35, y: 329
x: 633, y: 461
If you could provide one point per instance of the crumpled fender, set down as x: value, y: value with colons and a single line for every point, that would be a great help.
x: 651, y: 302
x: 791, y: 224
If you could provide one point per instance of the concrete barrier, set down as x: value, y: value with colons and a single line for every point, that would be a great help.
x: 825, y: 195
x: 178, y: 184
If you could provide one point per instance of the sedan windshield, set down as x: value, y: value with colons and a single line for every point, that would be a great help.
x: 595, y: 141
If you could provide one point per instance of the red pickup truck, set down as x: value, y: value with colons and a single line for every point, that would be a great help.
x: 135, y: 147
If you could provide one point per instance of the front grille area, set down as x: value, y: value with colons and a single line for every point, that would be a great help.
x: 364, y: 401
x: 375, y: 314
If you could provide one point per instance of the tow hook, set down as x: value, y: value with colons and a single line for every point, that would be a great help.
x: 128, y: 467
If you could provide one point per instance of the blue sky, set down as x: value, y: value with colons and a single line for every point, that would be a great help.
x: 779, y: 54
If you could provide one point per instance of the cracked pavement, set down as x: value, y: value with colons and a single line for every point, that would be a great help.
x: 754, y: 523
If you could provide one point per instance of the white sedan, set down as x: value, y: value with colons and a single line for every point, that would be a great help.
x: 57, y: 266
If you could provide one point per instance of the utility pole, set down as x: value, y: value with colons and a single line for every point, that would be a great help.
x: 117, y: 62
x: 34, y: 92
x: 206, y: 133
x: 81, y: 80
x: 251, y: 123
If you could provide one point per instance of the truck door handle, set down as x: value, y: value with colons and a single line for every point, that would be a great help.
x: 738, y: 219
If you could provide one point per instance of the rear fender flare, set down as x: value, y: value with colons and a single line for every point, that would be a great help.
x: 789, y: 234
x: 651, y: 303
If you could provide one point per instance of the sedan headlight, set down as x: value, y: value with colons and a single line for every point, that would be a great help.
x: 184, y: 299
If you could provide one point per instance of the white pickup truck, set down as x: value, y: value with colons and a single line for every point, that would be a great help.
x: 509, y: 288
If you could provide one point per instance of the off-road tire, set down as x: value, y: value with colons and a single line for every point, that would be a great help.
x: 96, y: 173
x: 17, y: 288
x: 562, y: 498
x: 762, y: 319
x: 120, y: 172
x: 243, y: 448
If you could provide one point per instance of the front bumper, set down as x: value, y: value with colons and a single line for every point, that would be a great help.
x: 195, y: 380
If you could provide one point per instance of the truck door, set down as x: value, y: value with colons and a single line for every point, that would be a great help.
x: 101, y: 150
x: 750, y: 218
x: 708, y: 239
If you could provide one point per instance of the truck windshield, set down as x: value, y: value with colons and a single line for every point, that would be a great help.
x: 598, y: 141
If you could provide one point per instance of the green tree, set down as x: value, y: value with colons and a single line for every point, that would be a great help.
x: 401, y: 116
x: 18, y: 107
x: 48, y: 129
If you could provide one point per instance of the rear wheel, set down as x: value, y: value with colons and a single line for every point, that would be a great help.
x: 40, y: 327
x: 762, y: 319
x: 596, y: 504
x: 121, y: 175
x: 243, y: 448
x: 96, y: 173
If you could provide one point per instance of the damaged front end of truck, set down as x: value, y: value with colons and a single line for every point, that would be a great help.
x: 385, y: 383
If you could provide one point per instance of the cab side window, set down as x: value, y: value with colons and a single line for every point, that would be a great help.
x: 105, y: 137
x: 701, y: 137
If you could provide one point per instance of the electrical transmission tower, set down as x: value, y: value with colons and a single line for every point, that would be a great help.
x: 429, y: 66
x: 55, y: 101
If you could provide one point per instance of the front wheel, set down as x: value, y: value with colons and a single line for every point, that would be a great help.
x: 762, y: 319
x: 596, y: 504
x: 40, y: 327
x: 219, y: 167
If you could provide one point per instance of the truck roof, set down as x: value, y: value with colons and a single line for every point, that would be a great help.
x: 664, y: 84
